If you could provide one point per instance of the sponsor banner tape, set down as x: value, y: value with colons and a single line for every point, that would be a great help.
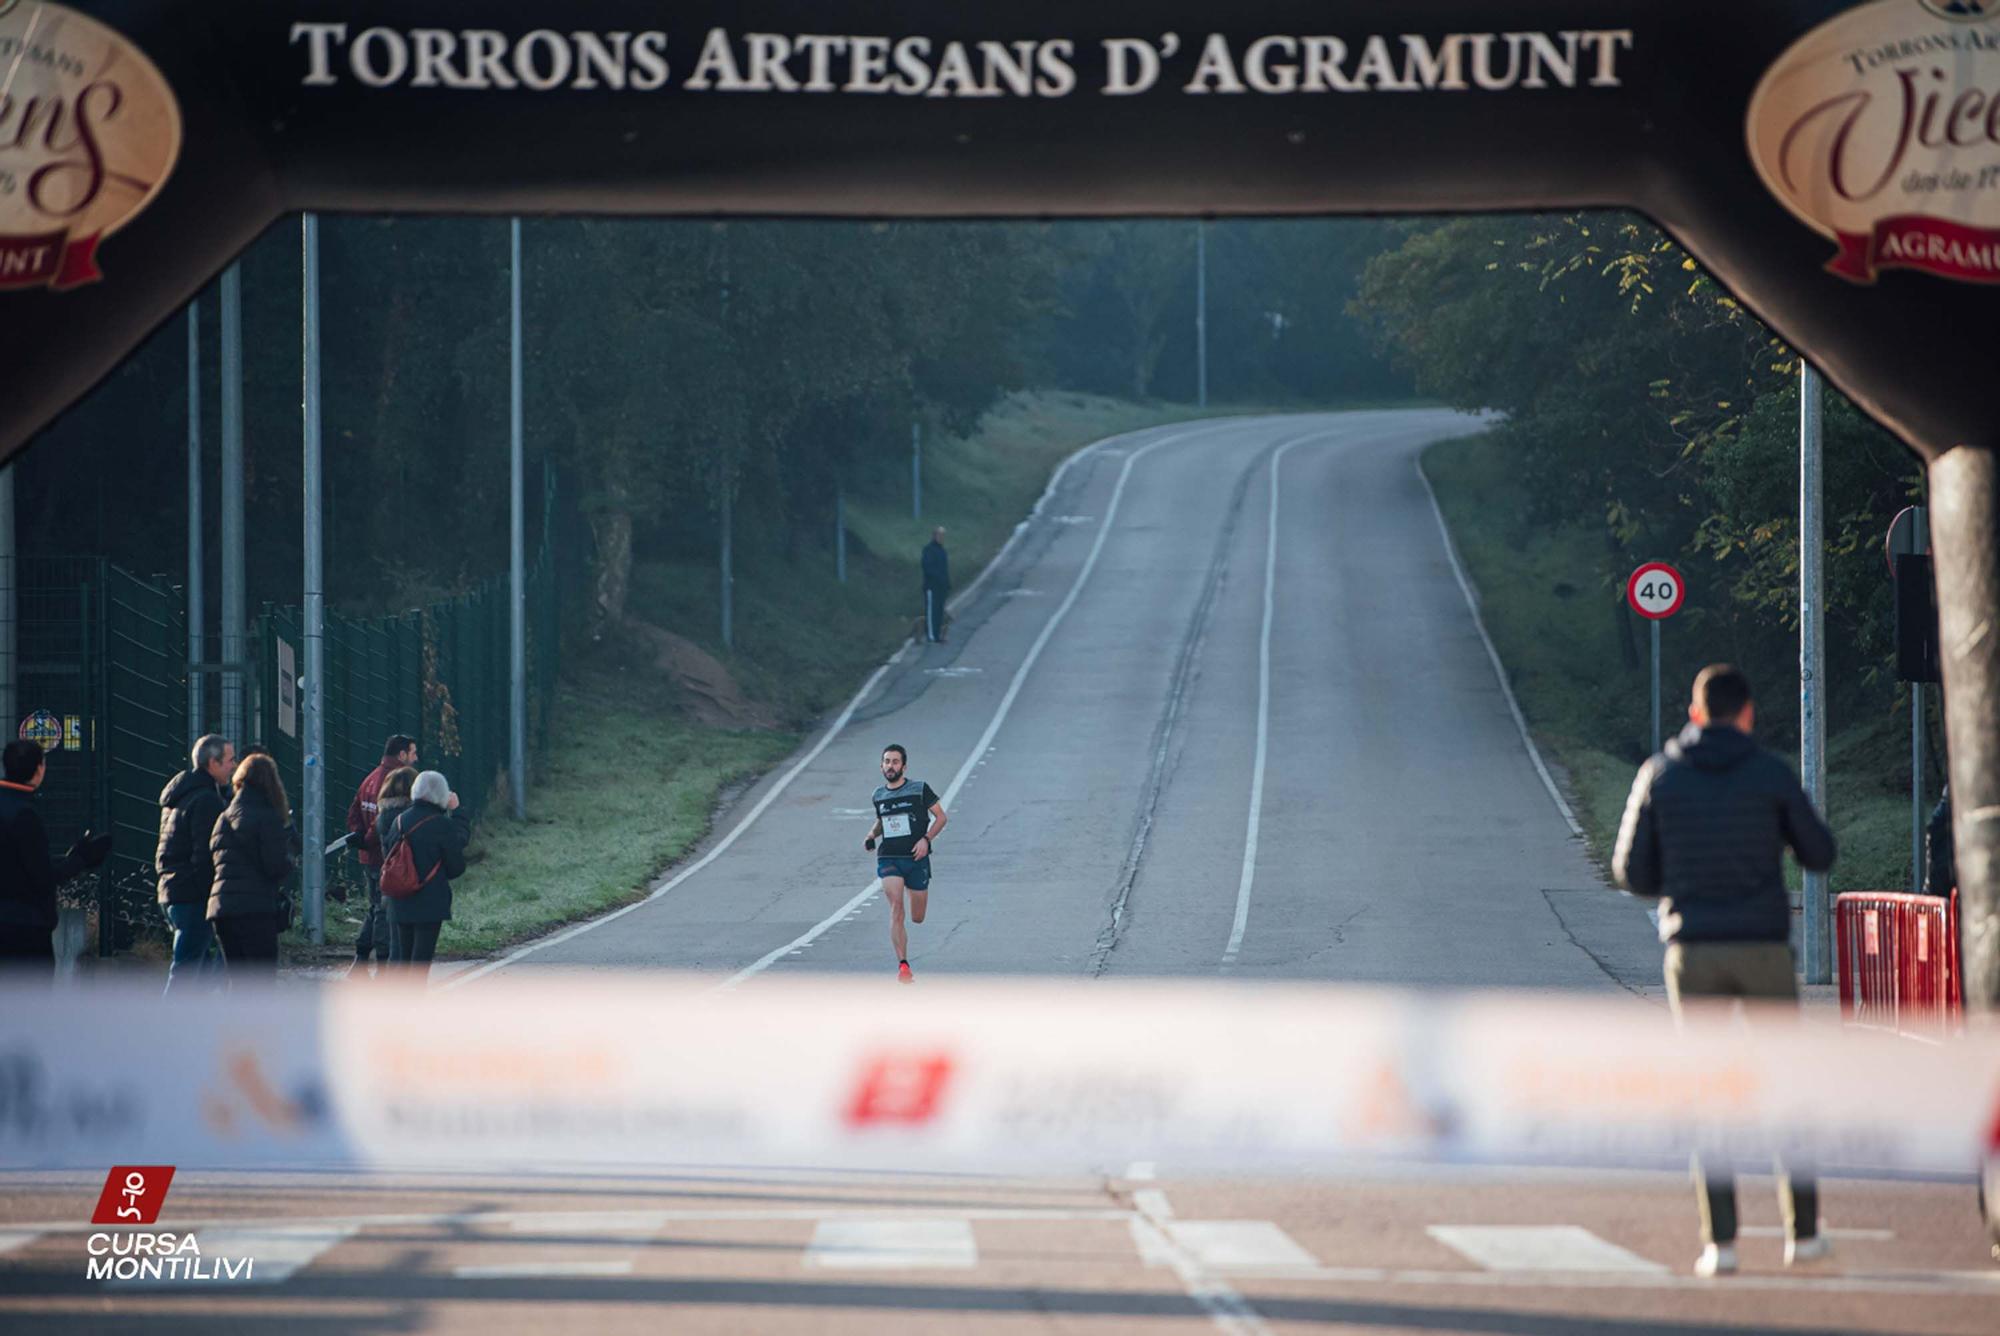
x: 1016, y: 1076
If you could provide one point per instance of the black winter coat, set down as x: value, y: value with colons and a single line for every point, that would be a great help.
x: 189, y: 806
x: 437, y: 840
x: 937, y: 566
x: 1940, y: 859
x: 28, y: 875
x: 1706, y: 829
x: 252, y: 850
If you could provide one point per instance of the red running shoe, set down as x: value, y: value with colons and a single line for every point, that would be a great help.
x: 903, y: 974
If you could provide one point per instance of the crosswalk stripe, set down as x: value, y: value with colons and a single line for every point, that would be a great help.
x: 1236, y: 1245
x: 892, y: 1244
x: 1541, y: 1248
x: 541, y: 1270
x: 13, y: 1239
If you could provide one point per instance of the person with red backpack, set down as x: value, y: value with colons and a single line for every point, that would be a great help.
x: 424, y: 850
x: 376, y: 937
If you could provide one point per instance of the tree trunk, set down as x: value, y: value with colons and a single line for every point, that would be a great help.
x: 611, y: 525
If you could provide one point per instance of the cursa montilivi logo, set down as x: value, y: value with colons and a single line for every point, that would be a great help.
x: 89, y: 132
x: 1881, y: 130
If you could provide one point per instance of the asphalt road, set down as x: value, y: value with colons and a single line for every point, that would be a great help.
x: 1108, y: 704
x: 1196, y: 724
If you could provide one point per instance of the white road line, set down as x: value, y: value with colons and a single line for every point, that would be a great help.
x: 1499, y: 670
x: 1153, y: 1203
x: 12, y: 1240
x: 1227, y: 1309
x: 541, y: 1270
x: 892, y: 1245
x: 1975, y: 1283
x: 1249, y: 873
x: 978, y: 752
x: 1239, y: 1245
x: 1541, y: 1248
x: 276, y: 1253
x: 557, y: 1220
x: 1778, y: 1232
x: 839, y: 725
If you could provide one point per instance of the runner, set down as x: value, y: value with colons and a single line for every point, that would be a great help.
x: 900, y: 806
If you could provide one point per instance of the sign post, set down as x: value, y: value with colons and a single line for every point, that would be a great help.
x: 1910, y: 537
x: 1656, y: 592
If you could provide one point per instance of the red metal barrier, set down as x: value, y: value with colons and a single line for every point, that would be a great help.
x: 1898, y: 959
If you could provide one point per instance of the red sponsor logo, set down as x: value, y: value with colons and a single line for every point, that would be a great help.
x: 133, y: 1194
x: 900, y: 1088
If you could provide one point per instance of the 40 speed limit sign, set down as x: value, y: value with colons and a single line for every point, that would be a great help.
x: 1656, y: 591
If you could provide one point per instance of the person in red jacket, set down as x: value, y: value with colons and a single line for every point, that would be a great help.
x: 376, y: 939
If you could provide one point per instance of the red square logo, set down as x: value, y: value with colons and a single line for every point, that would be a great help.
x: 901, y: 1088
x: 133, y: 1194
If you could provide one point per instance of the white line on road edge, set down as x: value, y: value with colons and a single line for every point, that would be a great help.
x: 978, y: 751
x: 1249, y: 875
x: 1565, y: 1248
x: 1216, y: 1297
x: 1499, y: 670
x: 839, y: 724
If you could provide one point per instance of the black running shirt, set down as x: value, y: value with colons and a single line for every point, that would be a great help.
x: 905, y: 813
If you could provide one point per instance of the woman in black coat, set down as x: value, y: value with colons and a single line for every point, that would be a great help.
x: 437, y: 835
x: 251, y: 849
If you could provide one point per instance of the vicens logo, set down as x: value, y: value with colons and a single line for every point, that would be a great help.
x: 89, y: 132
x: 1962, y: 11
x: 1881, y: 130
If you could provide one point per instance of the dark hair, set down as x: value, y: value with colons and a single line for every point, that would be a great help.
x: 260, y: 772
x: 1721, y: 690
x: 396, y: 784
x: 897, y: 748
x: 22, y: 759
x: 397, y: 744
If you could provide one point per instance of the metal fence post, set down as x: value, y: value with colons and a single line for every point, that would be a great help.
x: 1812, y: 663
x: 312, y: 872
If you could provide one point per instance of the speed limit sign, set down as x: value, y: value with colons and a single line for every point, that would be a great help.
x: 1655, y: 591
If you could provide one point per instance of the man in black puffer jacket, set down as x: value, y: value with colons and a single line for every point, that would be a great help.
x: 1705, y: 830
x: 189, y: 805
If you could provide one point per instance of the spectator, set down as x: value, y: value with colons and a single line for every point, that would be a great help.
x: 437, y: 834
x: 392, y: 800
x: 937, y: 585
x: 28, y: 876
x: 377, y: 938
x: 189, y: 806
x: 1941, y: 870
x: 252, y: 852
x: 1705, y: 831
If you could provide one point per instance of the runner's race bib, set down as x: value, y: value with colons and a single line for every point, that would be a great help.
x: 896, y: 827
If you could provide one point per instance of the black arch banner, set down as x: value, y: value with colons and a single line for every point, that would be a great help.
x: 1031, y: 107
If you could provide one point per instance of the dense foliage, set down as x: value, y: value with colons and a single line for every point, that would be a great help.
x: 671, y: 368
x: 1644, y: 400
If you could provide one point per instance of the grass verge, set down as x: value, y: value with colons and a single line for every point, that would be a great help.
x: 636, y: 782
x: 1556, y: 628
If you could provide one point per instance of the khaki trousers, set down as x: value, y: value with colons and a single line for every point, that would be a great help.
x: 1751, y: 971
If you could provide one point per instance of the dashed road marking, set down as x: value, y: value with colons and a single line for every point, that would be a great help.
x: 1567, y: 1248
x: 12, y: 1240
x: 542, y: 1270
x: 892, y: 1245
x: 1239, y: 1245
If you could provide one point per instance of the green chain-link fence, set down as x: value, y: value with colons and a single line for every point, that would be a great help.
x: 438, y: 673
x: 101, y: 683
x: 101, y: 678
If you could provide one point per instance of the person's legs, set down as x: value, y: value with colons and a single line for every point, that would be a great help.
x: 930, y: 614
x: 1694, y: 970
x: 193, y: 945
x: 389, y: 926
x: 27, y: 951
x: 899, y: 937
x: 1769, y: 974
x: 249, y: 945
x: 420, y: 946
x: 368, y: 942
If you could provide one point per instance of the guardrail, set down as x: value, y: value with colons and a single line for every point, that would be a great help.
x: 1898, y: 958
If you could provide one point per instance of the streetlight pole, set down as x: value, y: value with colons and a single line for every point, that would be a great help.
x: 517, y: 648
x: 230, y: 642
x: 196, y: 604
x: 1201, y: 312
x: 312, y: 815
x: 1812, y: 663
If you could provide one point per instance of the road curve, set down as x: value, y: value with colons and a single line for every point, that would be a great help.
x: 1095, y: 724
